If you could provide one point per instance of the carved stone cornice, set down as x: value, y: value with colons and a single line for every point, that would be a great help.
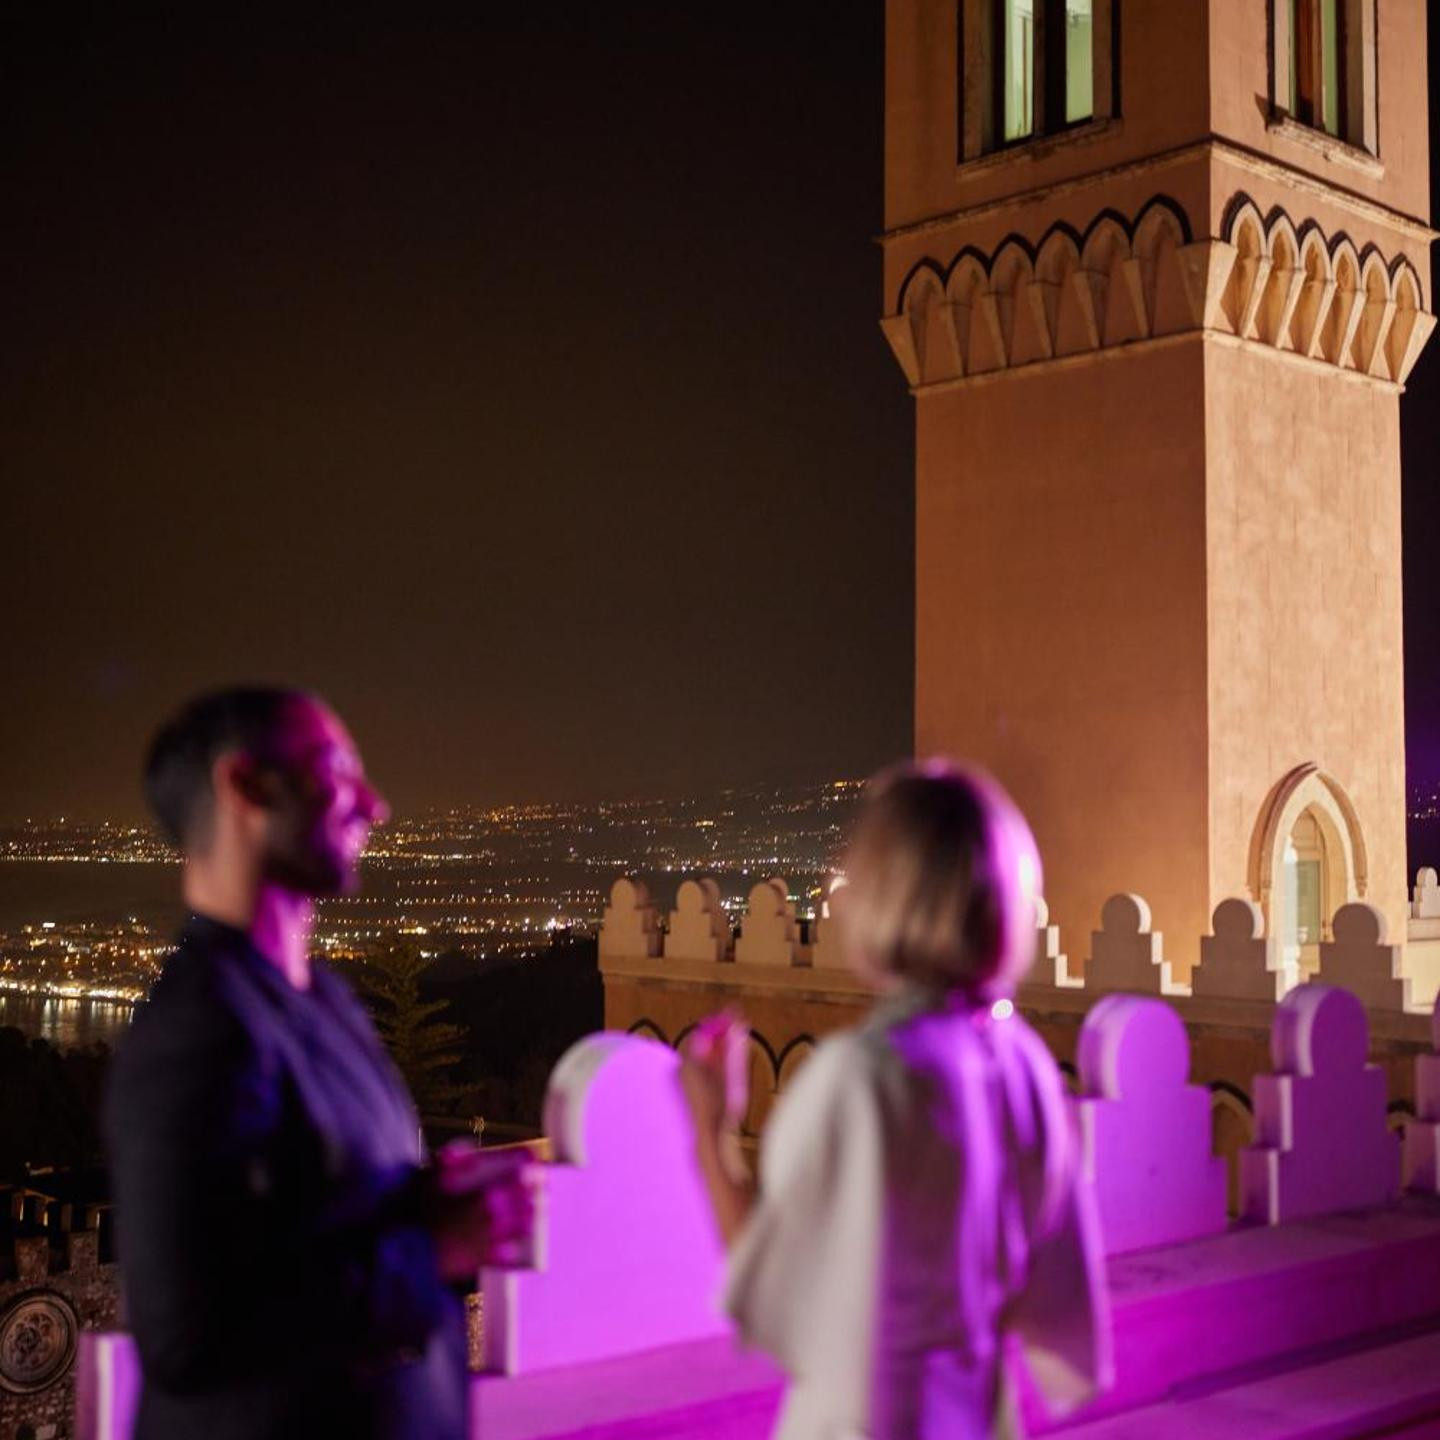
x: 1263, y: 280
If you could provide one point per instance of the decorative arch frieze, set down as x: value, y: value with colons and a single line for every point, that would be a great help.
x: 1232, y: 1129
x: 1295, y: 288
x: 1411, y: 326
x: 1265, y: 278
x: 1116, y: 281
x: 792, y: 1057
x: 763, y: 1077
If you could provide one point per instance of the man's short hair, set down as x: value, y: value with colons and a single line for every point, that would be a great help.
x: 183, y: 750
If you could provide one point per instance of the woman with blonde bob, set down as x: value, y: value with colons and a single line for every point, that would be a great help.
x: 919, y: 1196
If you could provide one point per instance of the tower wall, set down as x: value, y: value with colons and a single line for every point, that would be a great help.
x: 1157, y: 360
x: 1061, y: 617
x: 1303, y: 535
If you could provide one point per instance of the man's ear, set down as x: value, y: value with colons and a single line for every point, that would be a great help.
x: 234, y: 775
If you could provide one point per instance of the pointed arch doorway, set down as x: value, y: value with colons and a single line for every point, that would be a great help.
x: 1307, y: 859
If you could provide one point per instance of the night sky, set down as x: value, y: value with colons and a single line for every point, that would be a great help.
x: 511, y: 376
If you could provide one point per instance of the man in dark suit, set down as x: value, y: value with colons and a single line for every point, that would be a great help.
x: 288, y: 1254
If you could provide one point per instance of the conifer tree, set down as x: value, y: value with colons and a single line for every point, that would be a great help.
x: 425, y: 1049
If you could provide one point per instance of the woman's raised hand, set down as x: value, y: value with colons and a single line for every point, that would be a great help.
x: 713, y: 1073
x: 714, y: 1065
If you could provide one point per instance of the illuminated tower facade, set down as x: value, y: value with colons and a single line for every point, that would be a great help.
x: 1156, y: 274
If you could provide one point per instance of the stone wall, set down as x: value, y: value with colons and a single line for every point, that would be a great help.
x: 53, y: 1286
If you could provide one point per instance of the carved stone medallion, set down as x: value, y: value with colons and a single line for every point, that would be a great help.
x: 37, y: 1342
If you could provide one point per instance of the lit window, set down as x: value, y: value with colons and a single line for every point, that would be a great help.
x: 1079, y: 61
x: 1036, y: 68
x: 1325, y: 74
x: 1017, y: 50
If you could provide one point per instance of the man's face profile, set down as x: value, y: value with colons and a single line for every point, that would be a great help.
x: 321, y: 805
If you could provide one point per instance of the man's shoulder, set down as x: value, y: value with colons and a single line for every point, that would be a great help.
x: 199, y: 998
x: 194, y: 978
x: 188, y: 1042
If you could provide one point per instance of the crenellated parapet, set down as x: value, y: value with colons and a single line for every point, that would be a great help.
x: 1269, y: 280
x: 1240, y: 962
x: 1051, y: 966
x: 699, y: 928
x: 1322, y: 1138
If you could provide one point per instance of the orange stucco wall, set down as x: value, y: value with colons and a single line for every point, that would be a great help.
x: 1303, y: 527
x: 1148, y: 586
x: 1061, y: 619
x: 672, y: 1008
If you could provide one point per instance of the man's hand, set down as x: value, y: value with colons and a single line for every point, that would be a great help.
x: 481, y: 1209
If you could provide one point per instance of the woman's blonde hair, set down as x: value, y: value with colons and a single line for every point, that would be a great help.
x: 942, y: 875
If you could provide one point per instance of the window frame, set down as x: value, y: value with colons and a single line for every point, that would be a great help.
x: 1357, y: 112
x: 1309, y: 70
x: 1056, y: 66
x: 980, y: 74
x: 1000, y: 72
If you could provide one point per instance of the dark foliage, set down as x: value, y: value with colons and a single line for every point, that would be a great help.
x: 522, y: 1014
x: 49, y: 1104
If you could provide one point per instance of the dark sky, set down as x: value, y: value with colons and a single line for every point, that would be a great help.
x: 511, y: 376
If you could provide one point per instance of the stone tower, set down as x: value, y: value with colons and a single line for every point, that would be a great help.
x: 1156, y: 273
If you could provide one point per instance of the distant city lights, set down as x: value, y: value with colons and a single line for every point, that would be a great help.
x: 473, y: 882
